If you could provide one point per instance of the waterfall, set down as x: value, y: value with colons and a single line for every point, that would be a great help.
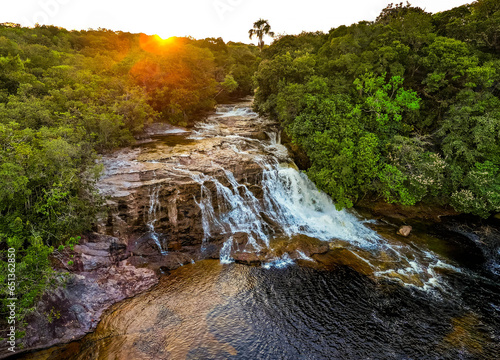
x: 289, y: 204
x: 237, y: 211
x: 274, y: 138
x: 153, y: 210
x: 226, y: 111
x: 293, y: 201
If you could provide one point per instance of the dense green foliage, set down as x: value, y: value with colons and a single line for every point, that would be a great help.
x: 406, y: 108
x: 66, y: 96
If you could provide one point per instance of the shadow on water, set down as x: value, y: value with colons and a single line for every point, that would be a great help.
x: 213, y: 311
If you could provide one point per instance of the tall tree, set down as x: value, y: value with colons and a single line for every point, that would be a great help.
x: 260, y: 28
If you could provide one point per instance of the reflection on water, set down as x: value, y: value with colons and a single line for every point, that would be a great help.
x: 213, y: 311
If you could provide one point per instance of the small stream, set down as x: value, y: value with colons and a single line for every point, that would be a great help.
x: 370, y: 295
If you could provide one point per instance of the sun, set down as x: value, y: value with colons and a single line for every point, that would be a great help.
x: 156, y: 44
x: 163, y: 41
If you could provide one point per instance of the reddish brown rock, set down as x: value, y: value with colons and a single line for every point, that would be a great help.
x: 343, y: 257
x: 100, y: 276
x: 174, y: 246
x: 402, y: 212
x: 303, y: 243
x: 247, y: 258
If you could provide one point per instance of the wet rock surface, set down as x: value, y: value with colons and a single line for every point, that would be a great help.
x: 170, y: 166
x: 396, y: 212
x: 163, y: 193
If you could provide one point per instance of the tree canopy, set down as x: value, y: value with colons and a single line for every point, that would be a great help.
x: 404, y: 108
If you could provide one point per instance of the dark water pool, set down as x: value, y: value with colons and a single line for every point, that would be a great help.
x: 213, y: 311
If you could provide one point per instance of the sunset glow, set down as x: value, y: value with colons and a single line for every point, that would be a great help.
x: 155, y: 44
x: 229, y: 19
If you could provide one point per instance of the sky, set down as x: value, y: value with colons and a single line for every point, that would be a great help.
x: 229, y: 19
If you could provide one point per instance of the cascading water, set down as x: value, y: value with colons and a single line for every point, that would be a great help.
x: 294, y: 202
x: 236, y: 212
x: 227, y: 111
x: 153, y: 210
x: 292, y: 205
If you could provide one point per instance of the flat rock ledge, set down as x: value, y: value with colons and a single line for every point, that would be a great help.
x: 100, y: 277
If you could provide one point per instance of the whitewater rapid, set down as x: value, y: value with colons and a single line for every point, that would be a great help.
x: 292, y: 205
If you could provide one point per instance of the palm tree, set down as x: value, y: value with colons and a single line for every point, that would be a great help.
x: 260, y: 28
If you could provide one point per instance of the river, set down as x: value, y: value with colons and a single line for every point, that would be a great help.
x: 325, y: 284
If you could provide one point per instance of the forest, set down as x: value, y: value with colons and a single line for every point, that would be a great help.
x: 68, y: 96
x: 405, y: 108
